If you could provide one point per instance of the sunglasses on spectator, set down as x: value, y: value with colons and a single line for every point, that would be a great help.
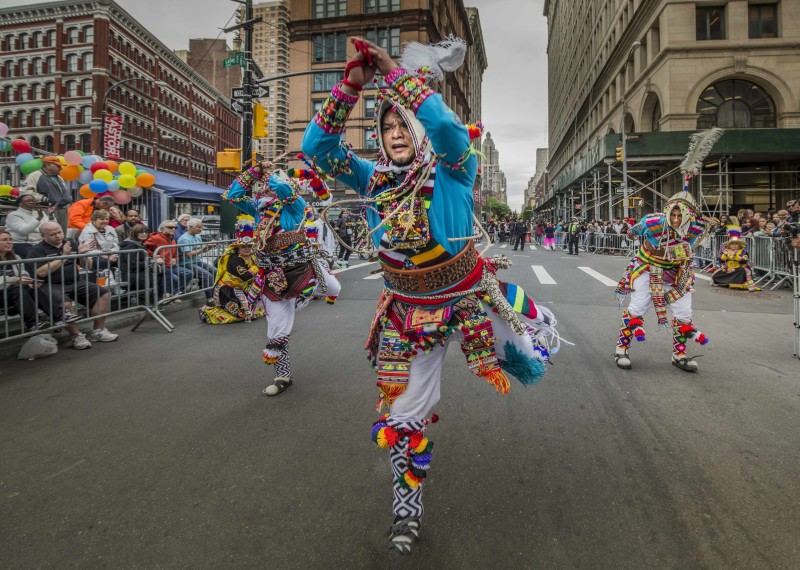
x: 169, y: 227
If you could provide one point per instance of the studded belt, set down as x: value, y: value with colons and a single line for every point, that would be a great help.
x: 429, y: 279
x: 283, y: 240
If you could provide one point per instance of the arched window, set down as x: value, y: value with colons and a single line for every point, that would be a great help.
x: 51, y: 38
x: 22, y: 119
x: 655, y: 121
x: 86, y: 115
x: 36, y: 119
x: 72, y: 116
x: 37, y: 65
x: 9, y: 68
x: 35, y: 141
x: 36, y: 40
x: 23, y: 67
x: 630, y: 127
x: 21, y: 91
x: 48, y: 143
x: 88, y: 34
x: 8, y: 93
x: 86, y: 143
x: 72, y: 62
x: 72, y: 88
x: 51, y: 64
x: 48, y: 119
x: 735, y: 104
x: 72, y: 36
x: 50, y: 90
x: 23, y: 40
x: 69, y: 142
x: 88, y: 60
x: 86, y: 88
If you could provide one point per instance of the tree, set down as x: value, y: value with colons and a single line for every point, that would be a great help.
x: 497, y: 208
x: 527, y: 214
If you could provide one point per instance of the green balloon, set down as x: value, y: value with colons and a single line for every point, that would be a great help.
x: 80, y: 152
x: 31, y: 166
x: 140, y: 171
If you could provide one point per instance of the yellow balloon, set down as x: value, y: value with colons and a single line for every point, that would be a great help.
x: 62, y: 160
x: 126, y: 180
x: 104, y: 175
x: 5, y: 190
x: 127, y: 168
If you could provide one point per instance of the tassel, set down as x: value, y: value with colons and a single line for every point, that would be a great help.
x: 271, y: 356
x: 522, y: 367
x: 497, y: 379
x: 390, y: 391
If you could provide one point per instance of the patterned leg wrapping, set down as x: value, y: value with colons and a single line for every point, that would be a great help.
x: 682, y: 331
x: 277, y: 353
x: 632, y: 326
x: 410, y: 456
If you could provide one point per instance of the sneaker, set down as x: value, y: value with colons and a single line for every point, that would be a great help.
x: 40, y: 326
x: 103, y: 335
x: 71, y: 317
x: 80, y: 342
x: 403, y: 534
x: 60, y: 323
x: 684, y: 362
x: 280, y: 384
x: 621, y: 358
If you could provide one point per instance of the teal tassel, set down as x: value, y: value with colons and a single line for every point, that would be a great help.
x: 522, y: 367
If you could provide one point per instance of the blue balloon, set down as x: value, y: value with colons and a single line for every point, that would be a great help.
x: 85, y: 177
x: 113, y: 185
x: 88, y: 161
x: 23, y: 158
x: 98, y: 186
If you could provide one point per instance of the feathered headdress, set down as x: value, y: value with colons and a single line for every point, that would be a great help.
x: 699, y: 146
x: 434, y: 59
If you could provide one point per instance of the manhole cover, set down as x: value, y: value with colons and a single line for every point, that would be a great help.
x: 758, y: 295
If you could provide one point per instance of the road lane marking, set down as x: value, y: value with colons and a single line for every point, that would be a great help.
x: 533, y: 247
x: 356, y: 266
x: 375, y: 276
x: 703, y: 277
x: 542, y: 275
x: 505, y: 245
x: 70, y: 468
x: 599, y: 276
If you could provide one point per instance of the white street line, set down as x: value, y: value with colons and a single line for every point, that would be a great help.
x: 376, y: 276
x: 703, y: 277
x: 505, y: 245
x: 533, y: 247
x: 542, y: 275
x: 356, y: 266
x: 599, y: 276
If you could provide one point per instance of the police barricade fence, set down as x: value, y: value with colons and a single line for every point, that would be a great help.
x: 179, y: 272
x: 47, y: 294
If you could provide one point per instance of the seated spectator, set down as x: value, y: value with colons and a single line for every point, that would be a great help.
x: 116, y: 218
x: 181, y: 228
x: 23, y: 223
x: 131, y: 219
x: 191, y: 255
x: 175, y: 278
x: 135, y: 263
x: 102, y: 237
x: 232, y: 290
x: 21, y: 295
x: 62, y: 277
x: 80, y: 213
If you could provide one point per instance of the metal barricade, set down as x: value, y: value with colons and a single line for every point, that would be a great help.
x: 796, y: 290
x: 178, y: 275
x: 782, y: 260
x: 42, y: 294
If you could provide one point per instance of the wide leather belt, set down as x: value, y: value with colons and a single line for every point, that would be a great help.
x: 429, y: 279
x: 679, y: 252
x: 286, y: 239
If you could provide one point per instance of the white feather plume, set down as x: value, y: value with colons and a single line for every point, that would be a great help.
x: 447, y: 55
x: 699, y: 146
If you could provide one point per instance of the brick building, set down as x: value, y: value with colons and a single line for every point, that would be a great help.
x: 62, y: 61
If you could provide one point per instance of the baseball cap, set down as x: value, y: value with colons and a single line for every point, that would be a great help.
x: 51, y: 160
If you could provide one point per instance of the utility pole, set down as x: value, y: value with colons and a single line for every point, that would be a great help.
x: 247, y: 78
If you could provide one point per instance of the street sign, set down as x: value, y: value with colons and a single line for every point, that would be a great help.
x: 619, y: 190
x: 237, y: 107
x: 236, y: 59
x: 257, y: 92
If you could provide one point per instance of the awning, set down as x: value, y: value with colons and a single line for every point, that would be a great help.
x: 180, y: 187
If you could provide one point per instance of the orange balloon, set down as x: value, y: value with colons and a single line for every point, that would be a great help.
x: 145, y: 180
x: 112, y: 166
x: 86, y: 192
x: 70, y: 173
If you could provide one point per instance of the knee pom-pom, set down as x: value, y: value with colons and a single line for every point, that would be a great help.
x: 701, y: 339
x: 638, y: 334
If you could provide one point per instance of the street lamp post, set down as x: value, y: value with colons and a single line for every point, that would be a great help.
x: 105, y: 99
x: 635, y: 46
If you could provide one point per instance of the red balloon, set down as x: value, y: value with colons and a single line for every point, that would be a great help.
x: 100, y: 165
x: 20, y: 145
x: 14, y: 192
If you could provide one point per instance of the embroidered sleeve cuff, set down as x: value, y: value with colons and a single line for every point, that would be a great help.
x: 246, y: 180
x: 411, y: 90
x: 335, y: 110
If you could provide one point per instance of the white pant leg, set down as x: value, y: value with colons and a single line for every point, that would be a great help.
x: 280, y: 317
x: 504, y: 333
x: 424, y: 386
x: 334, y: 287
x: 682, y: 308
x: 640, y: 295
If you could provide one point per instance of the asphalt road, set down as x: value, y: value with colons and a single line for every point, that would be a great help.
x: 159, y: 451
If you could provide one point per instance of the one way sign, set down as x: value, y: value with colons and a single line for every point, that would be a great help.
x: 237, y: 107
x: 257, y: 92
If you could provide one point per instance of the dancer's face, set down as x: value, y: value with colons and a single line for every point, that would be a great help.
x: 397, y: 139
x: 675, y: 218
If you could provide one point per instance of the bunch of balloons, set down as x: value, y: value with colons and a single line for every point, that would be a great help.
x: 122, y: 181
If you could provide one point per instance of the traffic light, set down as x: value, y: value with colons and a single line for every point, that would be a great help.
x: 635, y: 202
x: 230, y: 160
x: 260, y: 122
x: 620, y: 154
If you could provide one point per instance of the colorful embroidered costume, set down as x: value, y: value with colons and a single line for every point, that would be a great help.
x: 436, y: 285
x: 733, y: 269
x: 290, y: 272
x: 661, y: 275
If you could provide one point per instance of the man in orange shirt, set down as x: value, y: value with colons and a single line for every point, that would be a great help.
x: 80, y: 213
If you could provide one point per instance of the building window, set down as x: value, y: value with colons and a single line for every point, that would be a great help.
x: 72, y: 36
x: 330, y: 47
x: 655, y: 121
x: 370, y: 139
x: 88, y: 61
x: 72, y: 62
x: 50, y: 90
x: 762, y: 20
x: 86, y: 115
x: 88, y: 34
x: 710, y: 22
x: 51, y: 64
x: 87, y: 87
x: 735, y: 104
x: 387, y: 38
x: 72, y: 116
x: 48, y: 120
x: 36, y: 118
x: 369, y: 107
x: 48, y: 144
x: 329, y: 8
x: 371, y: 6
x: 72, y: 88
x: 326, y: 81
x: 316, y: 106
x: 86, y: 143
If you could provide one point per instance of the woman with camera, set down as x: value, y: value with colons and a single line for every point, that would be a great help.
x: 23, y: 223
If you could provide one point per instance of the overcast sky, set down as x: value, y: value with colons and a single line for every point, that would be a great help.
x: 514, y: 86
